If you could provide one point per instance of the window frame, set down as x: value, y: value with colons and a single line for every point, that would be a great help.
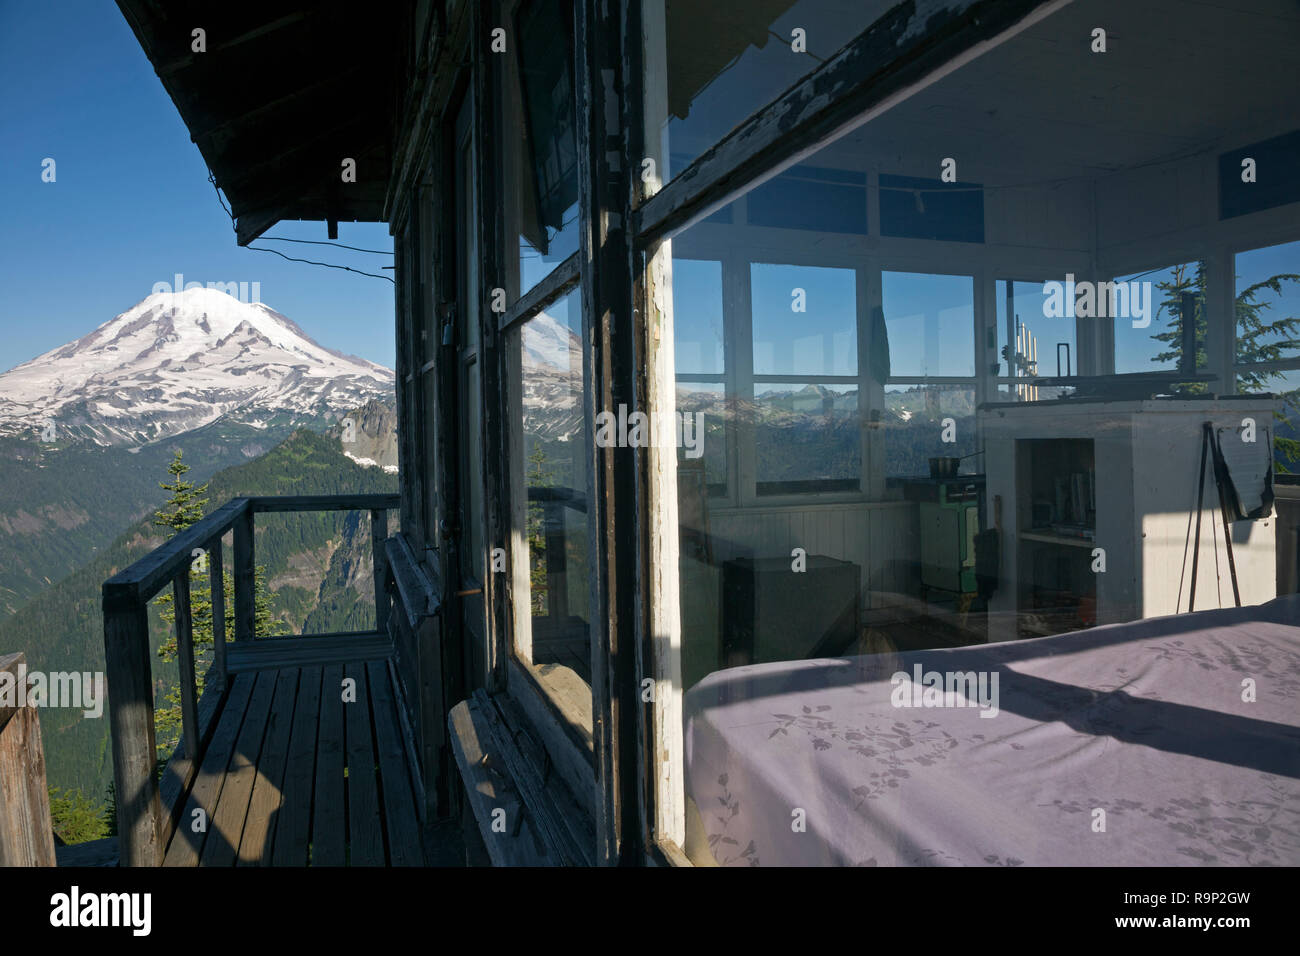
x: 580, y: 763
x: 1231, y: 252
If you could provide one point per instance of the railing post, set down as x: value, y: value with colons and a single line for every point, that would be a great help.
x: 26, y: 838
x: 130, y: 714
x: 217, y: 575
x: 557, y: 595
x: 185, y: 662
x: 245, y: 610
x: 379, y: 562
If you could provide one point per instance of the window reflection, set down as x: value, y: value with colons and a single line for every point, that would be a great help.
x: 549, y: 503
x: 1035, y: 344
x: 807, y: 438
x: 716, y: 63
x: 930, y: 319
x: 1267, y: 309
x: 967, y: 412
x: 804, y: 320
x: 1158, y: 296
x: 541, y: 167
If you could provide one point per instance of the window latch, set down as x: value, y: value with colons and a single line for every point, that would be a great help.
x: 449, y: 325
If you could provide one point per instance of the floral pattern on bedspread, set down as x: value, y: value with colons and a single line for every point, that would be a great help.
x: 807, y: 762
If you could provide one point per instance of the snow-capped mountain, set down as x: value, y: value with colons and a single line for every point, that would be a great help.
x: 550, y: 344
x: 552, y: 379
x: 179, y: 361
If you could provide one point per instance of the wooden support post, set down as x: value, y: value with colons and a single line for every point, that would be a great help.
x: 557, y: 593
x: 26, y: 838
x: 130, y: 714
x: 611, y: 368
x: 217, y: 576
x: 378, y: 535
x: 245, y: 571
x: 185, y: 662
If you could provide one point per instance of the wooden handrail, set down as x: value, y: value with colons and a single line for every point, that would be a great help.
x: 144, y: 827
x: 367, y: 502
x: 148, y: 576
x: 142, y: 580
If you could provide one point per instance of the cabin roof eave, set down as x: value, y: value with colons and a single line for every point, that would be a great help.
x: 252, y: 99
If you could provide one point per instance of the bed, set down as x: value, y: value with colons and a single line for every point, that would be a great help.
x: 1167, y: 741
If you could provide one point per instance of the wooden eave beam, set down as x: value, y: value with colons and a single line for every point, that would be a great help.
x: 174, y: 66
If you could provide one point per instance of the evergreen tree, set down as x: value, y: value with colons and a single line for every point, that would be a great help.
x: 184, y: 509
x: 75, y: 817
x: 185, y: 506
x: 538, y: 477
x: 1259, y: 337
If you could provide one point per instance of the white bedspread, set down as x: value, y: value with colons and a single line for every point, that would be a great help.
x: 1125, y: 745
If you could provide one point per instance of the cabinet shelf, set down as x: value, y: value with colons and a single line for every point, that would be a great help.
x: 1048, y: 537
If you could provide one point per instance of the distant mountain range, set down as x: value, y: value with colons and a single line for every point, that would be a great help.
x: 552, y: 385
x: 180, y: 361
x: 317, y: 568
x: 87, y: 429
x: 87, y: 432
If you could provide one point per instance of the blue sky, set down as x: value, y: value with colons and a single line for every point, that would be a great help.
x: 132, y: 204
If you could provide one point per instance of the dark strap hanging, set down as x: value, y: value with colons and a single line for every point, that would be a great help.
x: 1222, y: 482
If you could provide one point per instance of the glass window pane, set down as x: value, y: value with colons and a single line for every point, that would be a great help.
x: 711, y: 65
x: 706, y: 417
x: 1148, y: 332
x: 551, y: 513
x: 807, y: 438
x: 931, y: 323
x: 914, y: 207
x: 541, y: 164
x: 914, y: 424
x: 914, y: 485
x: 1285, y: 427
x: 805, y: 320
x: 1043, y: 342
x: 697, y: 313
x: 1268, y: 304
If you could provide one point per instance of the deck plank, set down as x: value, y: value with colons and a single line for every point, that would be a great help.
x: 328, y: 818
x: 186, y: 845
x: 293, y: 827
x: 264, y: 806
x: 400, y: 816
x: 365, y: 826
x: 226, y: 825
x: 282, y: 652
x: 294, y: 775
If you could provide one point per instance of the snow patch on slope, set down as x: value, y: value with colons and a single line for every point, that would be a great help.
x: 178, y: 361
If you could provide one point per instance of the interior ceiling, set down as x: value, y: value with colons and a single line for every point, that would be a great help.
x: 283, y: 94
x: 1179, y: 76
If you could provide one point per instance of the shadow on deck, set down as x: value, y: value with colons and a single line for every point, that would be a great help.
x: 302, y: 750
x: 305, y: 766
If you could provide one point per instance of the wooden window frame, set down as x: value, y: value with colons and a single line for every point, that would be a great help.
x: 574, y: 759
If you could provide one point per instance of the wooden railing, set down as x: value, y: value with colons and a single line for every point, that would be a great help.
x: 25, y: 835
x: 144, y: 828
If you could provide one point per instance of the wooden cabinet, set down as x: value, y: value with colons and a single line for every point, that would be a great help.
x: 1119, y: 551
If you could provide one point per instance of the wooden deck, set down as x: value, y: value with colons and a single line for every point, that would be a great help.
x: 295, y: 775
